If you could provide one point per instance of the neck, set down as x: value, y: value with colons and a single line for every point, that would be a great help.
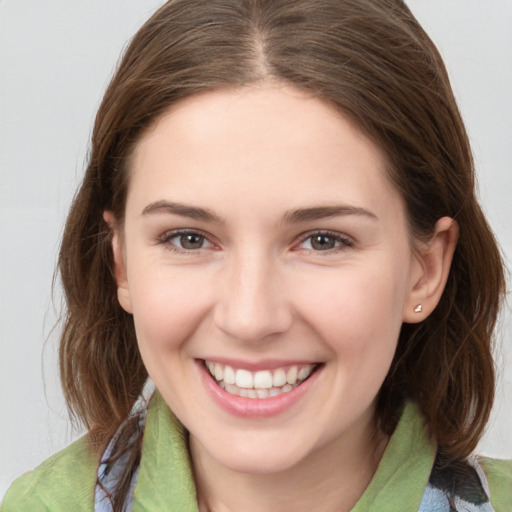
x: 332, y: 478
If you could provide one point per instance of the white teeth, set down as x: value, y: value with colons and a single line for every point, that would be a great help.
x: 291, y: 376
x: 263, y: 380
x: 231, y: 388
x: 262, y: 393
x: 229, y: 375
x: 279, y: 378
x: 305, y: 372
x: 244, y: 379
x: 260, y: 384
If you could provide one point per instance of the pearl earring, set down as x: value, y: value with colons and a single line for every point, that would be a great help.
x: 418, y: 308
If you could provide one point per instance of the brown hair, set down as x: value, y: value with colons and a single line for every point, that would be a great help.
x: 372, y: 61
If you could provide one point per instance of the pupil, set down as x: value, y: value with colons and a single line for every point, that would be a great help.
x: 322, y: 242
x: 191, y: 241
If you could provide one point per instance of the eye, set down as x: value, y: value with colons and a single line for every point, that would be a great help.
x: 186, y: 240
x: 325, y: 241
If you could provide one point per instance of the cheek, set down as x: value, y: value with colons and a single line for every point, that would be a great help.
x: 167, y: 308
x: 358, y: 313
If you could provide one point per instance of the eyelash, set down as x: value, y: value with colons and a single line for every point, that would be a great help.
x: 343, y: 242
x: 166, y: 238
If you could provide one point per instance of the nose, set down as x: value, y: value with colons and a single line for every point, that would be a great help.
x: 252, y: 304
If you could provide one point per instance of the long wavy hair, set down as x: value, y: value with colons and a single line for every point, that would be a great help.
x: 372, y: 61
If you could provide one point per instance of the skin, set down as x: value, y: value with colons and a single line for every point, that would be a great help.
x: 259, y: 288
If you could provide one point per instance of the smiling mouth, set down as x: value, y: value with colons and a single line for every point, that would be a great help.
x: 260, y: 384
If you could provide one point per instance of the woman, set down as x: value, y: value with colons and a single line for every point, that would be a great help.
x: 278, y: 225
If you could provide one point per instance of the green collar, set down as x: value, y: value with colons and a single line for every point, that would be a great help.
x: 165, y: 475
x: 166, y: 482
x: 400, y: 480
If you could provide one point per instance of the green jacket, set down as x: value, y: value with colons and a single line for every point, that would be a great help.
x: 66, y: 481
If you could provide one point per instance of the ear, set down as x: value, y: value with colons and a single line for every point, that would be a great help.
x: 430, y: 271
x: 123, y: 291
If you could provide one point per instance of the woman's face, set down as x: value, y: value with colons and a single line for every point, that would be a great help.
x: 264, y: 244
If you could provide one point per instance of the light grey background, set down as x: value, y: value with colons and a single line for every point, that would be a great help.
x: 56, y: 58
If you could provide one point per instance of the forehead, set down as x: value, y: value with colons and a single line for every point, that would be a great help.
x: 275, y: 141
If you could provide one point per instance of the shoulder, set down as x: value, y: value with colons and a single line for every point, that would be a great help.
x: 499, y: 476
x: 63, y: 482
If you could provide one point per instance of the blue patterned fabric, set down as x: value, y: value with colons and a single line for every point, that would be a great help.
x: 460, y: 487
x: 107, y: 481
x: 109, y: 474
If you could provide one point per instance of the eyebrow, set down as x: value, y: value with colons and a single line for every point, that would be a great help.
x: 192, y: 212
x: 324, y: 212
x: 290, y: 217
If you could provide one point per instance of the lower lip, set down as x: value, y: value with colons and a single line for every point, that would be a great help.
x: 255, y: 407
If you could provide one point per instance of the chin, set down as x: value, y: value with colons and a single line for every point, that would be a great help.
x: 258, y: 456
x: 258, y: 465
